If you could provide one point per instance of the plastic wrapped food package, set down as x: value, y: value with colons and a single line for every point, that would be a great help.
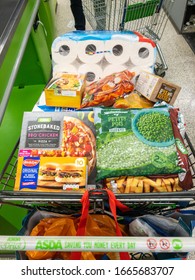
x: 105, y: 91
x: 135, y: 143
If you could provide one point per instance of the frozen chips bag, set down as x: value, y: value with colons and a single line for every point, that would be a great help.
x: 143, y: 184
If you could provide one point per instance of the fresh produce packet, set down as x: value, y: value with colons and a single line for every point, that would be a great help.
x: 106, y: 91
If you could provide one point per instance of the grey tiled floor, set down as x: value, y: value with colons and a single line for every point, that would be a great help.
x: 179, y: 58
x: 181, y: 70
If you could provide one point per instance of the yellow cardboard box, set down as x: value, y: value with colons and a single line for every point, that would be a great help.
x: 65, y: 90
x: 156, y: 88
x: 51, y: 174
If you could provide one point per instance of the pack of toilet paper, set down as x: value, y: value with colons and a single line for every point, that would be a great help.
x: 100, y: 53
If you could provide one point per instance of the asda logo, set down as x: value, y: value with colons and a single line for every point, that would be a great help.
x: 48, y: 245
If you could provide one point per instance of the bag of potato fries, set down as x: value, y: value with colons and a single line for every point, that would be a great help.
x: 143, y: 184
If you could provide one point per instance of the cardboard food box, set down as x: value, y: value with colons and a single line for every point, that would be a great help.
x: 46, y: 174
x: 60, y: 135
x: 156, y: 88
x: 65, y: 90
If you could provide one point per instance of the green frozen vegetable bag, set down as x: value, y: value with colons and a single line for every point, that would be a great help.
x: 135, y: 142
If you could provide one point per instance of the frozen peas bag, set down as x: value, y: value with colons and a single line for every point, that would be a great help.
x: 135, y: 142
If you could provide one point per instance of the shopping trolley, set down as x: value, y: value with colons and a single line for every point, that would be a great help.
x: 140, y: 204
x: 149, y: 17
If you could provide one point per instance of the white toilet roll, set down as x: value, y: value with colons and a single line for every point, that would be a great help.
x: 117, y: 51
x: 111, y: 68
x: 67, y: 68
x: 64, y: 51
x: 93, y: 72
x: 142, y: 53
x: 91, y: 51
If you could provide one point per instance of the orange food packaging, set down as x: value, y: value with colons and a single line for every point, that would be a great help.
x: 105, y: 91
x: 56, y: 174
x: 133, y: 100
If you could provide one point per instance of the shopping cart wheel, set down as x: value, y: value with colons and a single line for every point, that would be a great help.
x: 159, y: 70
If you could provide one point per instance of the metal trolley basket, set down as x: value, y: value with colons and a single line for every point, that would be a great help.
x: 146, y: 203
x: 149, y: 17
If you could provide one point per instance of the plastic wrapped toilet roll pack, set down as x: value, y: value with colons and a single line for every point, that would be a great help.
x: 100, y: 53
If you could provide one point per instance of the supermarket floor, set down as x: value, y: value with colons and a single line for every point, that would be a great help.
x: 179, y: 57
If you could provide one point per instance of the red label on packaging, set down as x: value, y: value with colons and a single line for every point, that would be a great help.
x: 30, y: 162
